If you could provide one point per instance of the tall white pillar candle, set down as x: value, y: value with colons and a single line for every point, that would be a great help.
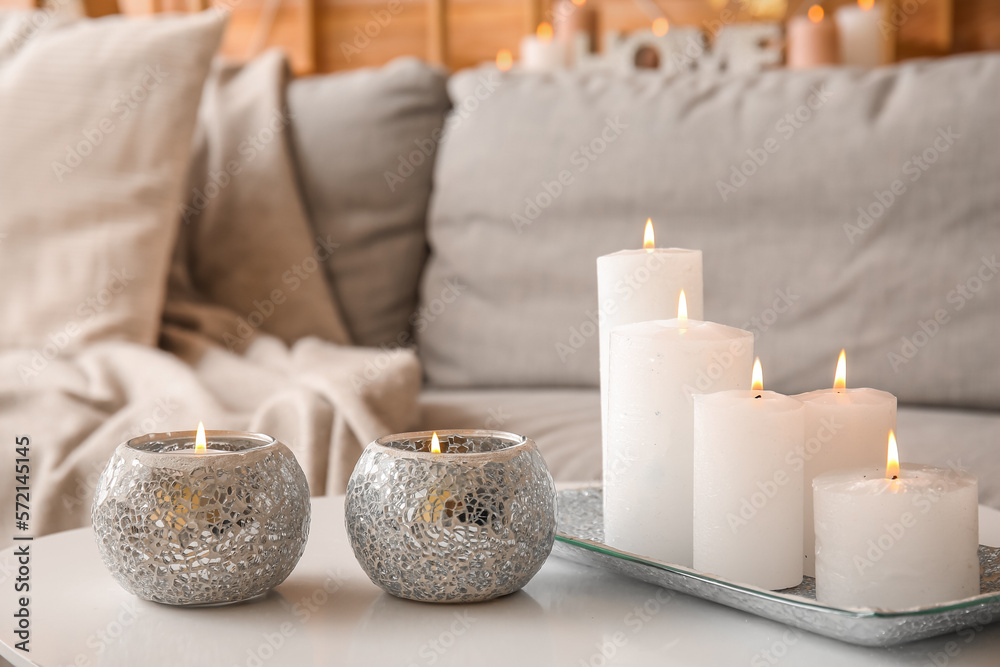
x: 747, y: 494
x: 641, y: 285
x: 844, y: 428
x: 862, y: 42
x: 909, y: 539
x: 656, y: 368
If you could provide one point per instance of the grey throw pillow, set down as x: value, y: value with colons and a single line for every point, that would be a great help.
x: 365, y: 143
x: 96, y: 118
x: 835, y: 208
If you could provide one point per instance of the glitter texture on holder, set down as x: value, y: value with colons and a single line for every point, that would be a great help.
x: 471, y: 523
x: 213, y: 527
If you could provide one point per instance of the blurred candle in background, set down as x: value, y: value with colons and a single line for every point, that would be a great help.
x: 575, y: 25
x: 811, y: 40
x: 505, y: 60
x: 861, y: 41
x: 540, y: 52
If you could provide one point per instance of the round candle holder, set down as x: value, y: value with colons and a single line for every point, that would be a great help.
x: 471, y: 523
x: 201, y: 528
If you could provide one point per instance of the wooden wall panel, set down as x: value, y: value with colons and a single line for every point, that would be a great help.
x: 977, y: 25
x: 477, y: 32
x: 330, y: 35
x: 351, y: 35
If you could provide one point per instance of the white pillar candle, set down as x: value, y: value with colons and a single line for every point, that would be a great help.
x: 641, y: 285
x: 896, y: 537
x: 861, y: 41
x: 747, y: 492
x: 656, y: 367
x: 540, y: 53
x: 844, y: 428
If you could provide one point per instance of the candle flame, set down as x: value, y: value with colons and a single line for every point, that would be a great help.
x: 435, y: 444
x: 840, y: 377
x: 815, y: 13
x: 865, y: 5
x: 200, y: 441
x: 581, y: 3
x: 892, y: 460
x: 661, y: 26
x: 505, y: 60
x: 758, y: 376
x: 647, y: 237
x: 544, y: 32
x: 682, y: 307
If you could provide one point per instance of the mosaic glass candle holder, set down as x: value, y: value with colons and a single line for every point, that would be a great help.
x: 218, y: 526
x: 473, y: 522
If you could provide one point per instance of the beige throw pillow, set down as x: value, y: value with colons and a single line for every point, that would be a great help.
x: 96, y: 118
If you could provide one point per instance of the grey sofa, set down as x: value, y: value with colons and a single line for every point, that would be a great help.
x: 835, y: 208
x: 456, y: 222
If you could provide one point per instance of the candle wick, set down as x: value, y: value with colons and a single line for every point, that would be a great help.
x: 757, y: 396
x: 895, y: 476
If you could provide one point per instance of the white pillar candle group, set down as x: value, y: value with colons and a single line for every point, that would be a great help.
x: 862, y: 42
x: 641, y: 285
x: 896, y: 537
x: 844, y: 428
x: 747, y: 493
x: 703, y: 471
x: 656, y: 368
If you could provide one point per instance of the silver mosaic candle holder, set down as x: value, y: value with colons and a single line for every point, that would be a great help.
x: 472, y: 523
x: 200, y: 528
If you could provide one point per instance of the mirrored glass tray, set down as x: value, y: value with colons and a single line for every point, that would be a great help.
x: 580, y: 539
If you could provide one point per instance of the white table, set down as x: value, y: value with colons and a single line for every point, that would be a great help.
x: 329, y: 613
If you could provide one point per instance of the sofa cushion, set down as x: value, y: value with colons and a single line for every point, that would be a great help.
x: 95, y: 132
x: 835, y: 208
x: 365, y: 144
x: 246, y: 243
x: 566, y: 425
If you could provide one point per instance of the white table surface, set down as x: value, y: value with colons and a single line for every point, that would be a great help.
x: 329, y: 613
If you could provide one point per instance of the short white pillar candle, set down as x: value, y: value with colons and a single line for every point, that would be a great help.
x: 907, y: 537
x: 845, y: 428
x: 747, y: 493
x: 641, y: 285
x: 656, y: 368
